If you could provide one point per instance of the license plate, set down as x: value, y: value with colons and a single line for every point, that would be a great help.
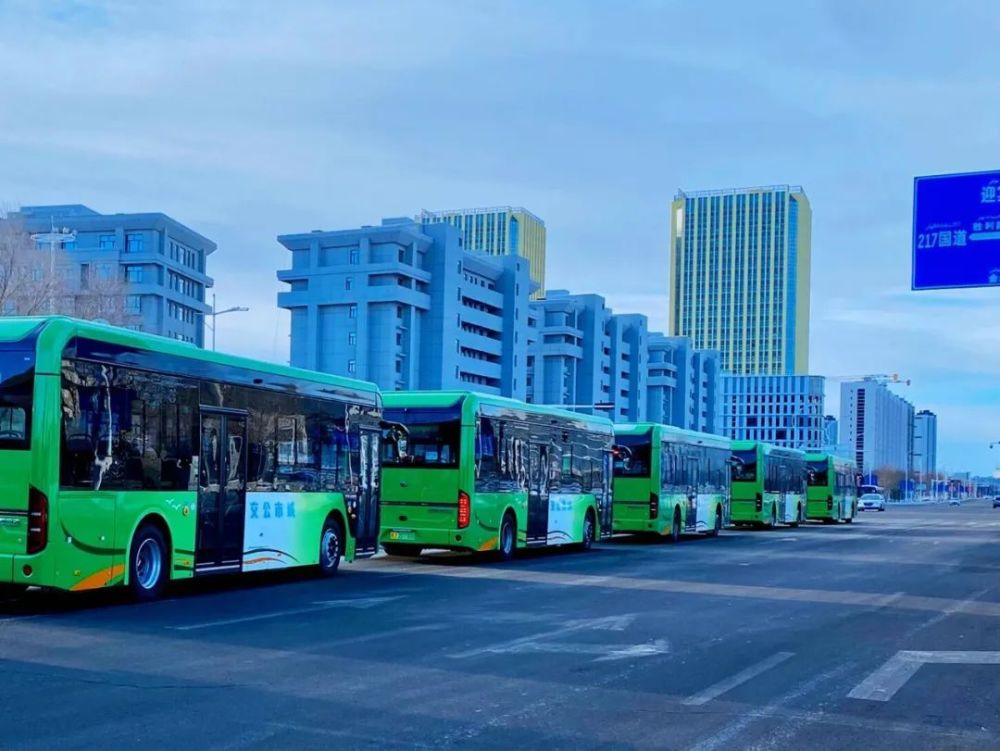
x: 400, y: 534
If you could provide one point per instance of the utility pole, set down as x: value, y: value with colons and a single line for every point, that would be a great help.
x: 53, y: 237
x: 216, y: 313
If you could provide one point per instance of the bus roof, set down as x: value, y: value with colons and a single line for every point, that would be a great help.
x: 438, y: 399
x: 838, y: 461
x: 767, y: 448
x: 668, y: 432
x: 55, y: 332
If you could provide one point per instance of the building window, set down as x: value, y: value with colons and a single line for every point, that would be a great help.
x: 133, y: 303
x: 133, y: 274
x: 399, y: 366
x: 352, y: 366
x: 352, y: 338
x: 84, y: 275
x: 134, y: 242
x: 399, y: 311
x: 349, y: 283
x: 399, y: 338
x: 355, y: 256
x: 352, y: 312
x: 69, y: 245
x: 106, y: 242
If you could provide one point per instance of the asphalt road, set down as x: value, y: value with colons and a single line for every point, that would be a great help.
x: 881, y: 634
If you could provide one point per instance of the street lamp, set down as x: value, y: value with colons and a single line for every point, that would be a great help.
x: 53, y: 237
x: 215, y: 313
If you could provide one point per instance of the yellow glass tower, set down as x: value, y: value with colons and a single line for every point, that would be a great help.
x: 499, y: 231
x: 739, y: 276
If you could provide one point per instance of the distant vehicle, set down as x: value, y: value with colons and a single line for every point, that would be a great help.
x: 996, y: 501
x: 872, y: 501
x: 955, y: 502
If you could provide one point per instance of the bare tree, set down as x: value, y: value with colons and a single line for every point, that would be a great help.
x: 26, y: 285
x: 32, y: 282
x: 102, y: 295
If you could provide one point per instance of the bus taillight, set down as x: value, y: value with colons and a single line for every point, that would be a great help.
x: 654, y: 505
x: 829, y: 503
x: 759, y: 506
x: 38, y: 520
x: 464, y: 509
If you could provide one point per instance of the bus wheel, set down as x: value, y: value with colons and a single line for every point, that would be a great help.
x: 798, y: 517
x: 331, y: 547
x: 675, y: 528
x: 395, y: 548
x: 848, y: 519
x: 10, y: 591
x: 718, y: 524
x: 505, y: 548
x: 589, y: 531
x: 147, y: 568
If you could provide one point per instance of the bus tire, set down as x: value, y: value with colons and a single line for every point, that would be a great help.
x: 589, y: 531
x: 11, y: 591
x: 148, y: 563
x: 507, y: 540
x: 402, y: 549
x: 848, y: 520
x: 798, y: 517
x: 718, y: 523
x: 675, y: 527
x: 331, y: 546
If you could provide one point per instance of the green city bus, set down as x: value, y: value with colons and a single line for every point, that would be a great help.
x: 832, y: 489
x: 467, y: 471
x: 130, y: 459
x: 669, y: 481
x: 768, y: 485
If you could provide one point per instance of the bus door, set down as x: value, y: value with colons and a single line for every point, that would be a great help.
x: 364, y: 517
x: 538, y: 493
x: 691, y: 510
x: 222, y: 482
x: 605, y: 503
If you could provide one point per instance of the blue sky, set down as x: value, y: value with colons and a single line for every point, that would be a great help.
x: 249, y: 119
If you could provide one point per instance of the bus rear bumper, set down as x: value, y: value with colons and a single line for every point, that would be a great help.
x: 447, y: 539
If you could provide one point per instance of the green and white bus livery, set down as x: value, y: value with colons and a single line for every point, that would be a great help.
x: 768, y: 484
x: 832, y: 488
x: 467, y: 471
x: 129, y: 459
x: 670, y: 481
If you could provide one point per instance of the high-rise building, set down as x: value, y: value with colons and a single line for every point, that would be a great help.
x: 784, y: 410
x: 162, y: 262
x: 581, y: 353
x: 500, y: 231
x: 406, y: 306
x: 925, y: 445
x: 739, y: 266
x: 684, y: 387
x: 876, y: 426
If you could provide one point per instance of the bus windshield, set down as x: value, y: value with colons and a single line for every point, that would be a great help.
x: 632, y: 455
x: 427, y: 438
x: 818, y: 474
x: 16, y: 382
x: 744, y: 466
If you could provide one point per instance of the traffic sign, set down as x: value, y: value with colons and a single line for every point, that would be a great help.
x: 956, y: 230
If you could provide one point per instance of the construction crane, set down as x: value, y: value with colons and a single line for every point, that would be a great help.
x: 880, y: 378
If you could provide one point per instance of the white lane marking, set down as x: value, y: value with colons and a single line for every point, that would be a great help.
x: 728, y: 684
x: 602, y: 652
x: 610, y: 623
x: 362, y: 603
x: 883, y: 684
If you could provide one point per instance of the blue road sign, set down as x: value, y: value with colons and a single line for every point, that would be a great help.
x: 956, y: 230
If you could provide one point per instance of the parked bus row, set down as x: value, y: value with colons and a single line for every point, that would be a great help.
x: 128, y: 459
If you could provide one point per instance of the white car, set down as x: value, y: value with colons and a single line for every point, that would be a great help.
x: 871, y: 502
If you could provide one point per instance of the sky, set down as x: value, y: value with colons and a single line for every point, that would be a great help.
x: 246, y: 120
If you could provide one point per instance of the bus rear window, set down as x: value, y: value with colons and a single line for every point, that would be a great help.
x: 744, y: 466
x: 633, y: 455
x: 17, y: 371
x: 427, y: 438
x: 818, y: 474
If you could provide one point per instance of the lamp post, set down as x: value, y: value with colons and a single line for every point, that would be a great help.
x: 53, y: 237
x: 215, y: 313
